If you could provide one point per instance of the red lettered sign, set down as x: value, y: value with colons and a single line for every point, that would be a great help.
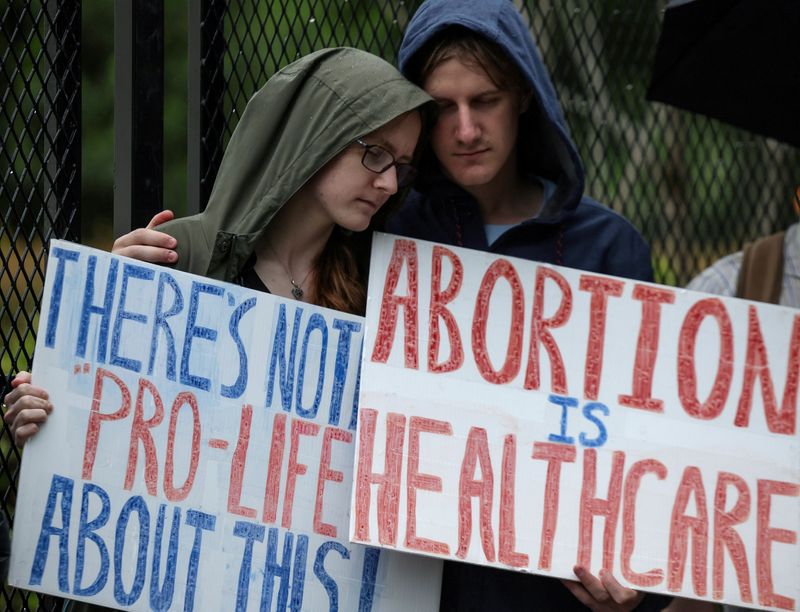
x: 533, y: 417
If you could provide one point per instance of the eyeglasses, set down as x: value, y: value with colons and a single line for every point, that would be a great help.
x: 379, y: 160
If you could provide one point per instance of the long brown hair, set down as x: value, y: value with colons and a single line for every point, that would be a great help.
x: 340, y: 282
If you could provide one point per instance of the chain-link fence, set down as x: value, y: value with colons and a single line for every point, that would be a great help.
x: 40, y: 110
x: 695, y: 188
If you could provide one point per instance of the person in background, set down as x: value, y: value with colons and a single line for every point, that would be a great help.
x: 767, y: 270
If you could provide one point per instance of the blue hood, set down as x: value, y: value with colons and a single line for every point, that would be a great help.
x: 544, y: 141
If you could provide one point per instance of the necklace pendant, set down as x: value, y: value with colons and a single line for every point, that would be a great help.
x: 297, y: 292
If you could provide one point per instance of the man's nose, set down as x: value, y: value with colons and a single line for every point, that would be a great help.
x: 467, y: 129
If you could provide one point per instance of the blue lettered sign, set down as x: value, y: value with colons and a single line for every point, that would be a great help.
x: 200, y: 452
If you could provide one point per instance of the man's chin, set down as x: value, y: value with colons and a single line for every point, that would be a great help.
x: 470, y: 177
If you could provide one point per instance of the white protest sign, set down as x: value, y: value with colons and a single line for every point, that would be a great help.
x: 533, y: 417
x: 200, y: 452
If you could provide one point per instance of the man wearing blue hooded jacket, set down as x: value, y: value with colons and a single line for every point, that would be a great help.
x: 503, y: 175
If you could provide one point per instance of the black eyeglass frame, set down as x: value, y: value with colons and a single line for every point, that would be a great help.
x: 405, y: 171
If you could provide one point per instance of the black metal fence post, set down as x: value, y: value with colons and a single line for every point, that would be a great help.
x: 138, y: 112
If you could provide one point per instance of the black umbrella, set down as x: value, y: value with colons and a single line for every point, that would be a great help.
x: 733, y: 60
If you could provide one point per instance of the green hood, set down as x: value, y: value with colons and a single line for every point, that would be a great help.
x: 302, y: 118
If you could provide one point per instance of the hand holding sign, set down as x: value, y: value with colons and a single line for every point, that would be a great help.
x: 148, y: 244
x: 27, y: 408
x: 602, y: 593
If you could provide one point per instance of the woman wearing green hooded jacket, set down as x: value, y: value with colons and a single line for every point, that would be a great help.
x: 320, y: 151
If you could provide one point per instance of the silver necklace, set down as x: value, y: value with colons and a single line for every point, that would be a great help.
x: 297, y: 288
